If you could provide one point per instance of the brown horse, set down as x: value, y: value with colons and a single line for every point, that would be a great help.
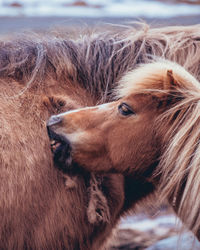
x: 41, y: 75
x: 151, y: 130
x: 41, y: 209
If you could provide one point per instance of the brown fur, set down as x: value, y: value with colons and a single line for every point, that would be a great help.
x: 153, y: 127
x: 37, y: 210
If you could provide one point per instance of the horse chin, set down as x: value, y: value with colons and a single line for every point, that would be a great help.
x: 61, y: 150
x: 62, y: 156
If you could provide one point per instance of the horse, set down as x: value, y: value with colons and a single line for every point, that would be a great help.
x: 46, y: 74
x: 41, y: 208
x: 150, y: 131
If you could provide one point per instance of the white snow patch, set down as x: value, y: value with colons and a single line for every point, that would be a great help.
x: 144, y: 224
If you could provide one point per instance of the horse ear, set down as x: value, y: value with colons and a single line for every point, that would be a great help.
x: 170, y: 85
x: 54, y: 104
x: 169, y: 81
x: 58, y: 104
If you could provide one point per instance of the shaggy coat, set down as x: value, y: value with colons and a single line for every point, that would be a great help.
x: 45, y: 75
x: 151, y: 132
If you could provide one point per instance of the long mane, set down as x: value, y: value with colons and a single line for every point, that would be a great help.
x: 96, y: 60
x: 179, y: 167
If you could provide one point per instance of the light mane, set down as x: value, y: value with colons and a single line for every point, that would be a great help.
x: 179, y: 166
x: 151, y: 76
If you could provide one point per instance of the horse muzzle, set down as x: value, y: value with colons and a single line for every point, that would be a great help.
x: 60, y: 145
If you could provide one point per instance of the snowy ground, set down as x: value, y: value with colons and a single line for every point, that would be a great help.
x: 142, y: 230
x: 160, y: 224
x: 96, y: 8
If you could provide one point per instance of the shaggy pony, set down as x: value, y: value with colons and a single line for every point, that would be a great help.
x: 41, y: 75
x: 152, y: 127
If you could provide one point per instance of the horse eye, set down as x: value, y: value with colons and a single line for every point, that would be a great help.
x: 125, y: 109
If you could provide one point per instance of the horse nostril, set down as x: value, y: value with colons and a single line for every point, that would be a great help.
x: 54, y: 119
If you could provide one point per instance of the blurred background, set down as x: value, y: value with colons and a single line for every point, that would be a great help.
x: 40, y: 15
x: 154, y: 228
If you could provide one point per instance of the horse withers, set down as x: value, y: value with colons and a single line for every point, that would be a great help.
x: 151, y: 131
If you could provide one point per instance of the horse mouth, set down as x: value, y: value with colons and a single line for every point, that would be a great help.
x: 61, y: 150
x: 55, y: 145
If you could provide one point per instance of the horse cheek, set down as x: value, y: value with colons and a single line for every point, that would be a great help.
x: 91, y: 153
